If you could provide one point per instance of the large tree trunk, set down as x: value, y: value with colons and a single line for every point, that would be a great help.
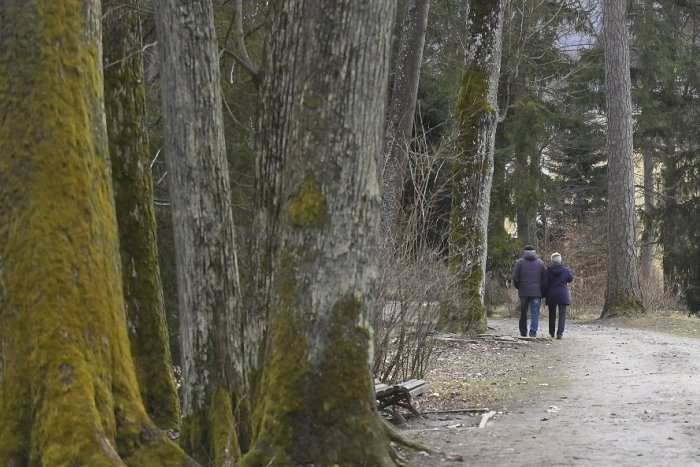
x: 322, y: 120
x: 622, y: 295
x: 68, y: 389
x: 476, y: 120
x: 133, y: 191
x: 401, y: 113
x: 207, y: 270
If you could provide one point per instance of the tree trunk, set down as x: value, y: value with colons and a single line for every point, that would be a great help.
x: 68, y: 389
x: 476, y: 116
x: 207, y: 270
x: 401, y: 113
x: 527, y: 183
x: 646, y: 254
x: 133, y: 191
x: 623, y: 294
x: 669, y: 235
x: 648, y: 85
x: 322, y: 119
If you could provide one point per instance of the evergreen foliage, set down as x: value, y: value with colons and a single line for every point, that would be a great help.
x: 667, y: 94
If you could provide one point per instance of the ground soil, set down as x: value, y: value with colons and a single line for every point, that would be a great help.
x: 612, y: 392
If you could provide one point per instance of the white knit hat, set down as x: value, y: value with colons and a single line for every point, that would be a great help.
x: 556, y: 257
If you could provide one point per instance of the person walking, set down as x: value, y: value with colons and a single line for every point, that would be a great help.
x: 528, y: 276
x: 557, y: 293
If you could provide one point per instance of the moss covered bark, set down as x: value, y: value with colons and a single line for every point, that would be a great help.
x: 475, y: 126
x: 215, y: 425
x: 68, y: 389
x: 133, y: 189
x: 318, y: 412
x: 323, y: 106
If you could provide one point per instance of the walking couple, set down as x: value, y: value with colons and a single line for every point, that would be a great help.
x: 534, y: 280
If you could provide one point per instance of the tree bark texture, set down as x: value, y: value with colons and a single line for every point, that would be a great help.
x: 476, y: 120
x: 133, y: 191
x: 207, y: 270
x: 402, y: 109
x: 321, y: 134
x: 68, y: 388
x: 622, y: 295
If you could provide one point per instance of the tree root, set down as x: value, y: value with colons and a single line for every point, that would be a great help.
x: 395, y: 436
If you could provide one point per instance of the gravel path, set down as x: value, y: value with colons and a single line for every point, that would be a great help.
x: 618, y: 397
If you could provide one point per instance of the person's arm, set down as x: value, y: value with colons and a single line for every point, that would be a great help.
x: 516, y: 274
x: 569, y: 275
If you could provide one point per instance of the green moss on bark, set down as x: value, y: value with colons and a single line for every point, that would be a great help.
x: 281, y: 382
x: 472, y: 111
x: 623, y: 305
x: 467, y: 235
x: 222, y: 425
x: 210, y: 435
x: 308, y: 205
x: 321, y: 414
x: 131, y: 174
x: 69, y: 394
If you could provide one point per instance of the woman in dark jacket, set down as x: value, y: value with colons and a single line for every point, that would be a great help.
x: 558, y: 277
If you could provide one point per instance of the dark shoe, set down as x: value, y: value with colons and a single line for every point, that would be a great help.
x: 551, y: 334
x: 559, y: 336
x: 523, y: 335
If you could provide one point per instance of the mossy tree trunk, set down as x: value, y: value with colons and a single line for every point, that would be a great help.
x: 623, y: 293
x: 68, y: 389
x: 133, y: 191
x: 401, y: 113
x: 476, y: 119
x: 321, y: 134
x: 205, y: 243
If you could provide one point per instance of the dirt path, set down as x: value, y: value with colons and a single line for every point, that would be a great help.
x: 617, y: 397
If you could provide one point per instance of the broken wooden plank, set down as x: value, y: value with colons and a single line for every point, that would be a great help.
x: 465, y: 410
x: 485, y: 418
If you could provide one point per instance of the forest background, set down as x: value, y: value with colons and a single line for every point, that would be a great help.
x: 550, y: 176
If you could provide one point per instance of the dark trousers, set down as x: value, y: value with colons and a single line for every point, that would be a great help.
x: 553, y: 319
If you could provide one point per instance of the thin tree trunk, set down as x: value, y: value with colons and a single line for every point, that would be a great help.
x: 646, y: 255
x: 321, y: 135
x: 476, y: 120
x: 669, y: 235
x: 623, y: 294
x: 133, y: 191
x: 68, y: 388
x: 207, y: 270
x: 647, y: 240
x: 527, y: 181
x: 399, y: 129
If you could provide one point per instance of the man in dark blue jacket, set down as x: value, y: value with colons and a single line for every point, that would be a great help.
x: 528, y: 278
